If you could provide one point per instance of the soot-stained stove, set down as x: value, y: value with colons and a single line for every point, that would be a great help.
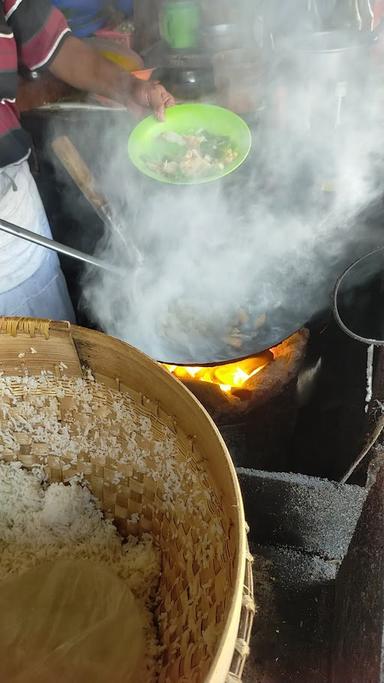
x: 304, y: 525
x: 318, y: 543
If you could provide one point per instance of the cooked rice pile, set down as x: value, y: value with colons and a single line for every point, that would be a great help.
x: 66, y: 423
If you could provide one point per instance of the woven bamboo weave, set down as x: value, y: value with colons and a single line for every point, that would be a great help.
x: 206, y: 606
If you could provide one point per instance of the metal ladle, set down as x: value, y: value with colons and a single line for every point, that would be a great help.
x: 17, y: 231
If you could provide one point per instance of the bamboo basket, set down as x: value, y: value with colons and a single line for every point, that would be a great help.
x: 198, y: 598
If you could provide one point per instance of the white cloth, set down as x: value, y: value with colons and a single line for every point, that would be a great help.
x: 31, y: 280
x: 20, y: 203
x: 43, y: 295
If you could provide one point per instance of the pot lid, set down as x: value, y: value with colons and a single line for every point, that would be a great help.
x: 331, y: 41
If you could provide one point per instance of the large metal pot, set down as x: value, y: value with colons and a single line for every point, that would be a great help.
x: 324, y: 75
x: 333, y: 54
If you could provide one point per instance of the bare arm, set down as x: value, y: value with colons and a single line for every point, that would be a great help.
x: 82, y: 67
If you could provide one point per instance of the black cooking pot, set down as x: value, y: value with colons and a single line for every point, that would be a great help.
x: 186, y: 83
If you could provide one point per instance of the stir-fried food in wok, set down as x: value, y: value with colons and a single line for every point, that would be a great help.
x: 196, y: 155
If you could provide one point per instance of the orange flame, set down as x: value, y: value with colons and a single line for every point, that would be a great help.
x: 227, y: 377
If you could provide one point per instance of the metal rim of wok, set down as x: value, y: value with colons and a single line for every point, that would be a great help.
x: 249, y: 352
x: 336, y: 293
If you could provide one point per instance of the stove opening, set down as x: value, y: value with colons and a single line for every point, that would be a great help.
x: 237, y: 379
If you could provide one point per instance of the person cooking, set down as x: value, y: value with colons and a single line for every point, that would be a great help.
x: 34, y: 33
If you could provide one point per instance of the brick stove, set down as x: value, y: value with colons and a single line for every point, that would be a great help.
x: 318, y: 544
x: 248, y: 410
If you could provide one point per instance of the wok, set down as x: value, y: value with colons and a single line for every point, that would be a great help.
x: 263, y: 330
x: 253, y: 341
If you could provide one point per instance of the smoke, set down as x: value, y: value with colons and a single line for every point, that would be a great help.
x: 229, y: 268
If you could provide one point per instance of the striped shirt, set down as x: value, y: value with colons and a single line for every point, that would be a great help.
x: 31, y: 32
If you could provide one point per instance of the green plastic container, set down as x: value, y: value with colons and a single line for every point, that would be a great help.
x: 179, y: 23
x: 144, y: 144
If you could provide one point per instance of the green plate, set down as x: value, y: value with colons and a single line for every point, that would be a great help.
x: 144, y: 145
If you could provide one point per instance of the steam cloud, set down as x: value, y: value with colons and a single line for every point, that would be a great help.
x: 266, y: 241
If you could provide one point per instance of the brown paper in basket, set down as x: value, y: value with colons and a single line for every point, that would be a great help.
x: 71, y: 620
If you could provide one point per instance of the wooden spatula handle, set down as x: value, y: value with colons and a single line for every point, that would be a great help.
x: 69, y: 156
